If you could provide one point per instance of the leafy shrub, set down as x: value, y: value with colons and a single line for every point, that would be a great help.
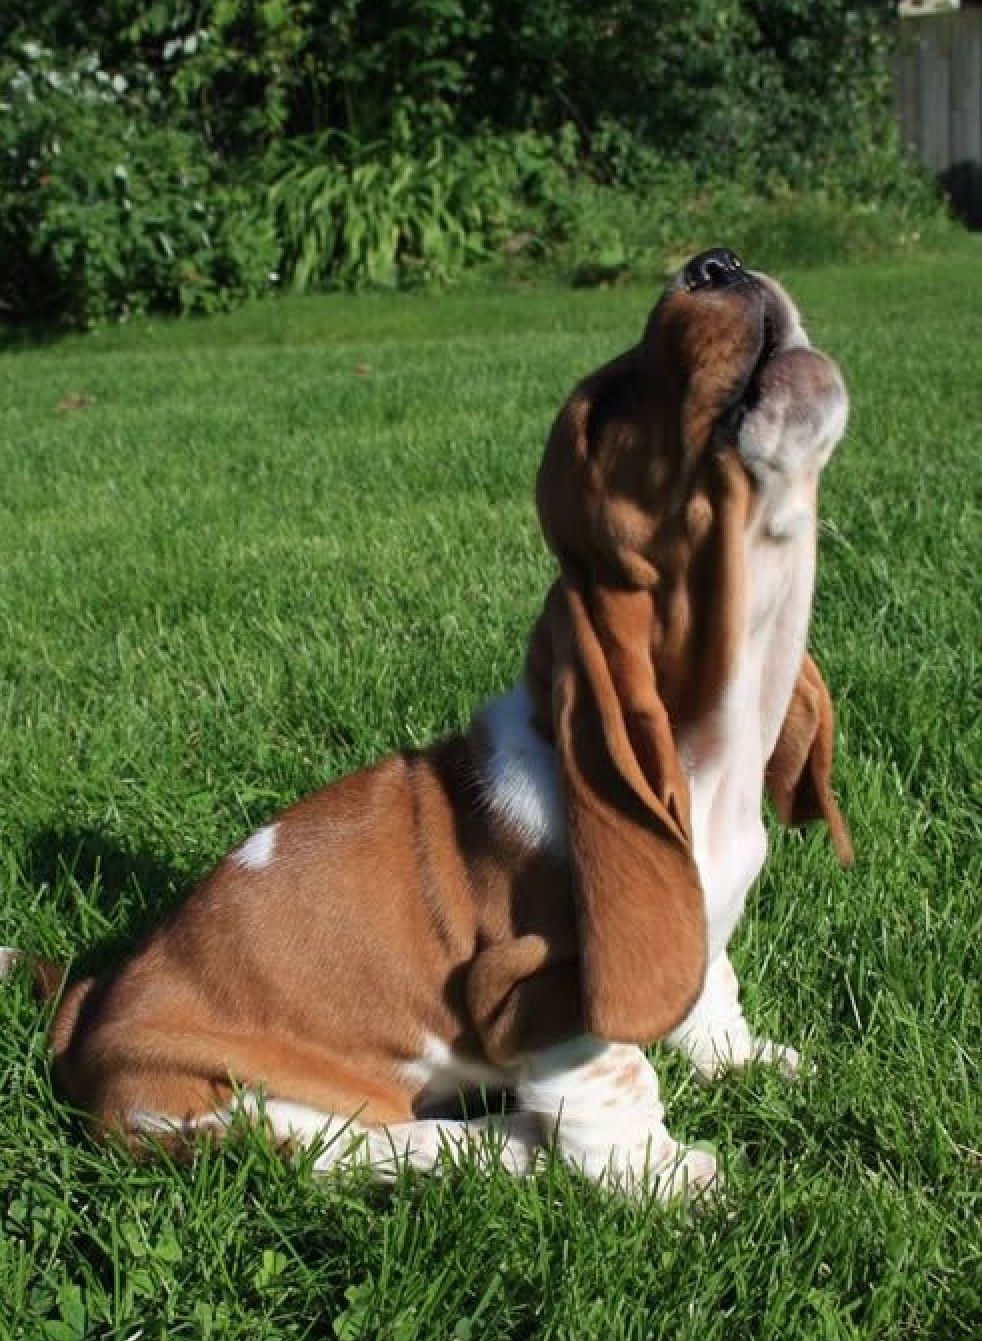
x: 106, y: 214
x: 724, y: 86
x: 638, y: 210
x: 417, y: 206
x: 402, y: 141
x: 423, y: 205
x: 608, y: 234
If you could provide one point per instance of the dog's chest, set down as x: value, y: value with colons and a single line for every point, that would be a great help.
x: 726, y: 753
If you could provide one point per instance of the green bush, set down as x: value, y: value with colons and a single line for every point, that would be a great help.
x: 422, y: 205
x: 105, y: 214
x: 723, y: 86
x: 407, y: 208
x: 419, y: 205
x: 219, y: 142
x: 785, y: 87
x: 607, y: 234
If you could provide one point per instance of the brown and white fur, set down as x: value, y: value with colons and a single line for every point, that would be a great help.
x: 523, y: 907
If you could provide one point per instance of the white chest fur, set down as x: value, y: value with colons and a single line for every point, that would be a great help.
x: 726, y: 754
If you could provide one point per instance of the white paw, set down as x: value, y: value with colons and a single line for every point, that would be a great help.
x: 512, y: 1140
x: 713, y: 1057
x: 782, y: 1055
x: 669, y: 1172
x: 693, y: 1175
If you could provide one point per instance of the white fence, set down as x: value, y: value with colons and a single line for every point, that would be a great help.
x: 939, y: 100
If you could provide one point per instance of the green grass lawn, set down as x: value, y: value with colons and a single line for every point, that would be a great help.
x: 275, y: 546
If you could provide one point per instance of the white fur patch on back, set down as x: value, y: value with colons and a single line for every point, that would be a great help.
x: 257, y: 852
x: 520, y: 782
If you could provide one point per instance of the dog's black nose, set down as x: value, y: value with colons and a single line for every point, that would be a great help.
x: 717, y: 268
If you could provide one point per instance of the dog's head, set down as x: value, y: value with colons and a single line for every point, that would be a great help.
x: 721, y: 418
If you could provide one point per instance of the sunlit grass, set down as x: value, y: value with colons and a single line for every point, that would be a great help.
x: 266, y: 549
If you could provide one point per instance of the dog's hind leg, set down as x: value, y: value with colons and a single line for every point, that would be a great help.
x: 511, y: 1139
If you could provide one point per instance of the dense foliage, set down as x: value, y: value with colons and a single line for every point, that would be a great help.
x: 187, y: 153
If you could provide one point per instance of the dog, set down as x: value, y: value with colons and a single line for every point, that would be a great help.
x: 523, y: 907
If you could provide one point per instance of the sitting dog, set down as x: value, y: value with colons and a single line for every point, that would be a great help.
x: 523, y: 906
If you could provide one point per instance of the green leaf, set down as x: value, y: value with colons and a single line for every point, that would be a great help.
x: 273, y: 1265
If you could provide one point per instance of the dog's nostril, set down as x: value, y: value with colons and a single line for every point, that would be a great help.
x: 713, y: 269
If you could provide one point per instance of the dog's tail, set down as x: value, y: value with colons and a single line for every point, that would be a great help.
x: 50, y: 982
x: 47, y: 976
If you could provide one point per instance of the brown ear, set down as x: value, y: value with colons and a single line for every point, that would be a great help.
x: 640, y: 909
x: 799, y: 772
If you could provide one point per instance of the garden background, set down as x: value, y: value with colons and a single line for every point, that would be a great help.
x: 242, y: 556
x: 187, y: 154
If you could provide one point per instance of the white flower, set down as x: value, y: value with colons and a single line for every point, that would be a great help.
x: 32, y: 50
x: 119, y: 84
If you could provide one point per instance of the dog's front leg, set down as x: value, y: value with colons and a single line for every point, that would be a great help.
x: 715, y: 1035
x: 599, y: 1102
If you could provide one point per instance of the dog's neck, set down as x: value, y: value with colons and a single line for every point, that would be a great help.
x: 725, y: 752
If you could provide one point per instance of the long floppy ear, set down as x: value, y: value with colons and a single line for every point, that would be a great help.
x: 799, y: 772
x: 640, y: 907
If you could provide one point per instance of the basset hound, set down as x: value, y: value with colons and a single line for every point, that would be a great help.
x: 523, y: 907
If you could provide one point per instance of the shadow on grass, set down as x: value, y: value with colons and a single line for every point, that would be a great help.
x: 26, y: 333
x: 132, y: 890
